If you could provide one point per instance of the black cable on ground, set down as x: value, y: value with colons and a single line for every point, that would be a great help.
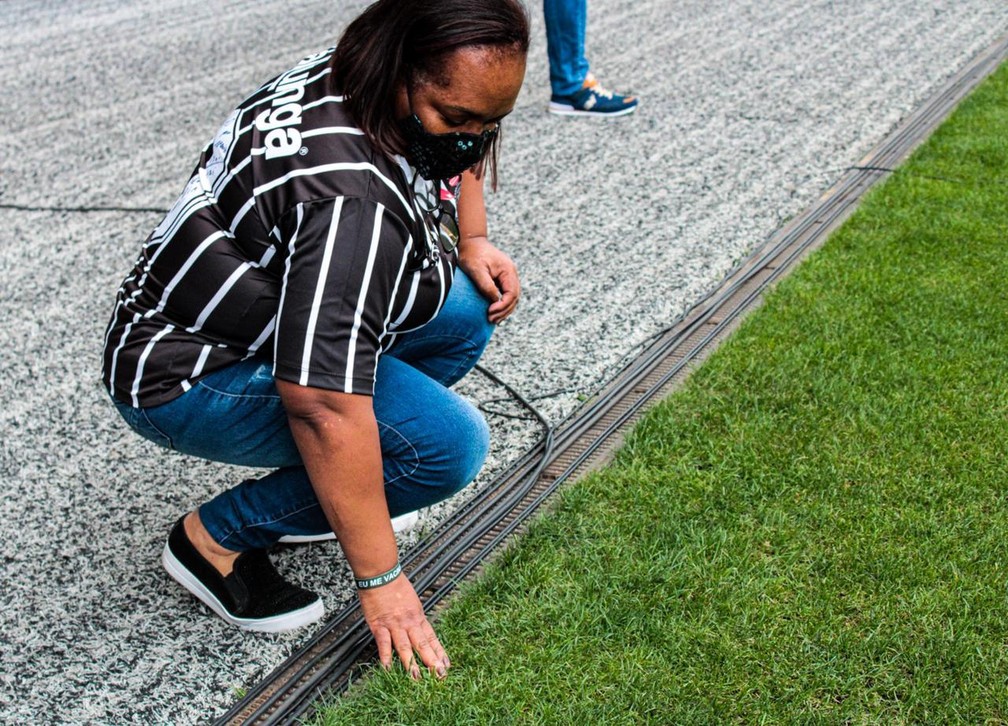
x: 513, y: 497
x: 486, y: 405
x: 84, y: 210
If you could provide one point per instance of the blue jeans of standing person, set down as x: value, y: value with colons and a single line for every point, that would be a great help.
x: 433, y: 442
x: 566, y: 21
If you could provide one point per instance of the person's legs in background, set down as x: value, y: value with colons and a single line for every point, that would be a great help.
x: 575, y: 91
x: 566, y: 21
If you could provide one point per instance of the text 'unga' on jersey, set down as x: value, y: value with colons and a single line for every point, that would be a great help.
x: 293, y: 240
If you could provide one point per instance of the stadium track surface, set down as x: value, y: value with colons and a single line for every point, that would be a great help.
x: 749, y: 111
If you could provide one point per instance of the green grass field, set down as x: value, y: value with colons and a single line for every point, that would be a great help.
x: 813, y: 530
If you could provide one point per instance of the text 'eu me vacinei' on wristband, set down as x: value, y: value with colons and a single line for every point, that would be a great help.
x: 379, y: 580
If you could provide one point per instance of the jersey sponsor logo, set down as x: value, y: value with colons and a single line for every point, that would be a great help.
x: 222, y: 143
x: 280, y: 121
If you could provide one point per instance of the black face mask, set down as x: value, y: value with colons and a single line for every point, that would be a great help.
x: 443, y: 156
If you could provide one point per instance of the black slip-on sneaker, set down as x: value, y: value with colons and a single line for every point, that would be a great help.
x: 254, y: 596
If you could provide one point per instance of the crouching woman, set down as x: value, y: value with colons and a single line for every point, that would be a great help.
x: 305, y: 306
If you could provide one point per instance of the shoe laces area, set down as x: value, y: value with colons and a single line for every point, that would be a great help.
x: 599, y: 90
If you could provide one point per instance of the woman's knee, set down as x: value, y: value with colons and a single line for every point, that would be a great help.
x: 467, y: 307
x: 433, y: 441
x: 474, y: 431
x: 464, y: 445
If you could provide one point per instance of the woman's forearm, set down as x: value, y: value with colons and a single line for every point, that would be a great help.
x: 337, y: 437
x: 471, y: 208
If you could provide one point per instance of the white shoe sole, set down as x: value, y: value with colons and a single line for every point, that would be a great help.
x: 565, y: 109
x: 402, y: 523
x: 275, y: 624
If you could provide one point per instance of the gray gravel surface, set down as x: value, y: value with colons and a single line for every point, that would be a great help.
x: 750, y: 110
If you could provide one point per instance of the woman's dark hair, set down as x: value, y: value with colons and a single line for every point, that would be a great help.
x: 394, y: 40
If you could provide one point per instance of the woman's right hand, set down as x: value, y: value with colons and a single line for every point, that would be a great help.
x: 337, y: 436
x: 398, y: 622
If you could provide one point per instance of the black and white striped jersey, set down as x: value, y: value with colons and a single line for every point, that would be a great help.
x: 292, y: 239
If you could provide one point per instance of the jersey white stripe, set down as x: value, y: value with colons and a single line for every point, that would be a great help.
x: 143, y: 361
x: 167, y: 229
x: 139, y: 289
x: 444, y: 288
x: 392, y: 296
x: 410, y: 299
x: 263, y: 337
x: 122, y: 342
x: 219, y: 295
x: 267, y: 256
x: 324, y: 55
x: 185, y: 268
x: 312, y: 171
x: 235, y: 126
x: 224, y: 179
x: 362, y: 297
x: 326, y: 130
x: 287, y: 265
x: 287, y: 76
x: 120, y: 296
x: 193, y: 197
x: 201, y: 361
x: 323, y: 100
x: 319, y: 291
x: 303, y: 66
x: 261, y: 150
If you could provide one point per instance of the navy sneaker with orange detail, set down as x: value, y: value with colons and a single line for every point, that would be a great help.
x: 593, y: 100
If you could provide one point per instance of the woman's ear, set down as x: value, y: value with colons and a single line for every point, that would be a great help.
x: 402, y: 105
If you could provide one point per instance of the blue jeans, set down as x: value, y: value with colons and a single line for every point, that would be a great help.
x: 433, y: 442
x: 566, y: 21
